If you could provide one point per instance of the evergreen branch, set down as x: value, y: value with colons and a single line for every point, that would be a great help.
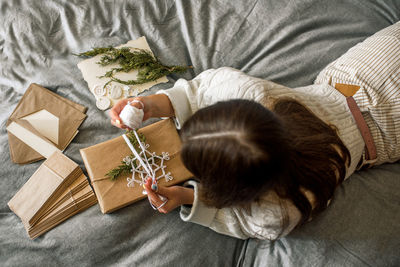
x: 151, y: 73
x: 95, y: 52
x: 114, y: 173
x: 149, y: 67
x: 123, y: 167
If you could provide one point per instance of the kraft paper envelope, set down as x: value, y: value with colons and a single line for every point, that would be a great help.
x: 76, y: 202
x: 80, y: 206
x: 36, y: 98
x: 101, y: 158
x: 91, y: 71
x: 79, y: 184
x: 44, y: 186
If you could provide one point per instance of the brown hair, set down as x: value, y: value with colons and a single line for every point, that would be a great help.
x: 238, y: 149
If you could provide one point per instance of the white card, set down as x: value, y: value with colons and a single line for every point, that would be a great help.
x: 91, y: 71
x: 45, y: 123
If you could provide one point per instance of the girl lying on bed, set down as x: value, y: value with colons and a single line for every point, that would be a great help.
x: 268, y: 158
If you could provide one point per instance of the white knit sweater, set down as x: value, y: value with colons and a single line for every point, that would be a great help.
x: 264, y: 219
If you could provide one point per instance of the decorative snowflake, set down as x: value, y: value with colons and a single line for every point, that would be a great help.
x: 155, y: 162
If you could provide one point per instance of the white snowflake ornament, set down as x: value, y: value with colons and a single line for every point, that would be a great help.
x: 146, y: 164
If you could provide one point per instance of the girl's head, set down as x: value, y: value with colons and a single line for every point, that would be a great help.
x: 238, y: 149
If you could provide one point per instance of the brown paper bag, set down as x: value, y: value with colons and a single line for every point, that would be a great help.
x: 79, y: 184
x: 36, y: 98
x: 79, y: 207
x: 77, y: 201
x: 44, y: 186
x: 101, y: 158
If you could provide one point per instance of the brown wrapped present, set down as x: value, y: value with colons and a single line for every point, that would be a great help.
x: 101, y: 158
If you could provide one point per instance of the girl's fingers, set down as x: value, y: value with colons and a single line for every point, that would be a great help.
x: 117, y: 108
x: 114, y: 115
x: 154, y: 198
x: 115, y: 119
x: 119, y: 124
x: 163, y: 191
x: 166, y: 208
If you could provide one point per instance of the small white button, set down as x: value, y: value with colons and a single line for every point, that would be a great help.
x: 116, y: 91
x: 99, y: 90
x: 126, y: 90
x: 103, y: 103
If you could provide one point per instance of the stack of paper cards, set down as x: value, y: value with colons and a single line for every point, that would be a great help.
x: 42, y: 123
x: 107, y: 96
x: 56, y: 191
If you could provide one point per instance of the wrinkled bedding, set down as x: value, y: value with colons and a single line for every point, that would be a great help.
x: 285, y: 41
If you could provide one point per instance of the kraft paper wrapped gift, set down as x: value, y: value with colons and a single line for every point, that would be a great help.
x: 67, y: 115
x: 99, y: 159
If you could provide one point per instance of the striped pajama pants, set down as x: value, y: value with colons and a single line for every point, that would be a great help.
x: 374, y: 66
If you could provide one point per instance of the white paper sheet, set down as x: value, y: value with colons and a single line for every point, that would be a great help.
x: 45, y: 123
x: 91, y: 71
x: 35, y: 142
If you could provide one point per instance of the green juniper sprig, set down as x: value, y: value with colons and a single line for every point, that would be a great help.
x: 124, y: 167
x: 95, y: 52
x: 149, y: 67
x: 121, y: 169
x: 133, y: 140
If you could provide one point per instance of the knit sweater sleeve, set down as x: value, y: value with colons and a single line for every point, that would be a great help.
x: 210, y: 87
x: 269, y: 218
x: 184, y: 96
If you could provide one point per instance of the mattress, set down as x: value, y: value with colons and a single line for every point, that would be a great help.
x: 288, y: 42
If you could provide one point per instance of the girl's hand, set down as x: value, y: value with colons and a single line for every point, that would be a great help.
x: 119, y: 106
x: 157, y: 105
x: 176, y: 195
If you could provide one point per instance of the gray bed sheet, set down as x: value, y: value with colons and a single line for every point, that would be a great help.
x: 285, y: 41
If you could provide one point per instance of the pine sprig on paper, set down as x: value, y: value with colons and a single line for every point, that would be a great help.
x: 149, y: 67
x: 124, y: 168
x: 95, y: 52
